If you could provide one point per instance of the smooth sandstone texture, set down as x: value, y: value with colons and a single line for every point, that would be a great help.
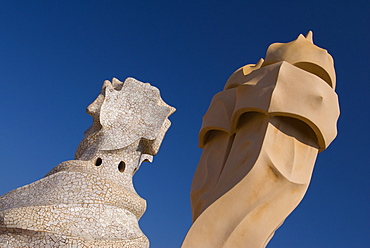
x: 91, y: 201
x: 260, y: 138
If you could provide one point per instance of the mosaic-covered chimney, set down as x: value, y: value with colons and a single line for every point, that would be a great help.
x: 91, y: 201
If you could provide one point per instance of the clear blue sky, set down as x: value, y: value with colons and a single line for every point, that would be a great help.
x: 55, y: 55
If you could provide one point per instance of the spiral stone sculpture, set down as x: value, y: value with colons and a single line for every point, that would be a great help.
x: 91, y: 201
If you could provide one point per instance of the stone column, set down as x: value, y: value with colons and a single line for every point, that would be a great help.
x: 260, y: 138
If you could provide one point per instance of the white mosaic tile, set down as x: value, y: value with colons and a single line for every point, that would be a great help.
x: 91, y: 201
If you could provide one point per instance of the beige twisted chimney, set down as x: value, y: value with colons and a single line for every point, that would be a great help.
x: 260, y: 138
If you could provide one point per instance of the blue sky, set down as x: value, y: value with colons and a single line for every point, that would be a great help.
x: 55, y: 55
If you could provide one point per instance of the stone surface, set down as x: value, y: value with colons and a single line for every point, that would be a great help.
x: 260, y: 139
x: 91, y: 201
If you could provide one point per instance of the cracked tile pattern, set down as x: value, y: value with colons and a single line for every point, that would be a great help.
x: 91, y: 201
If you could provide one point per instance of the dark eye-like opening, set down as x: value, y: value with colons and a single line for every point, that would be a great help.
x: 98, y: 161
x: 121, y: 166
